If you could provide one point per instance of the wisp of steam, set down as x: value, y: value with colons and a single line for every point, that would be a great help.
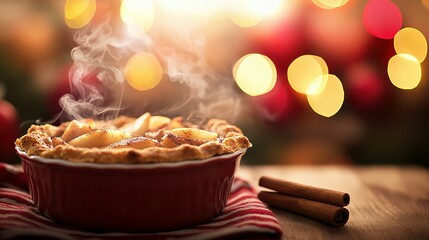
x: 98, y: 86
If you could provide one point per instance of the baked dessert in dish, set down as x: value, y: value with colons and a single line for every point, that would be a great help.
x: 146, y: 139
x: 82, y: 173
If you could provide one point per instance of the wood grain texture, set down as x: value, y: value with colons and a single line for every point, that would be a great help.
x: 387, y: 202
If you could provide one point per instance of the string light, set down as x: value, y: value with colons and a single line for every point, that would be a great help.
x: 404, y: 71
x: 329, y: 101
x: 308, y: 74
x: 139, y: 15
x: 329, y: 4
x: 411, y: 41
x: 78, y: 13
x: 248, y: 13
x: 189, y: 7
x: 143, y: 71
x: 255, y: 74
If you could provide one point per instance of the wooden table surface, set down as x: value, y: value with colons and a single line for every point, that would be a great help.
x: 387, y: 202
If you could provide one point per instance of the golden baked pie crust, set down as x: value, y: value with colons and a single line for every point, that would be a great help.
x: 45, y: 141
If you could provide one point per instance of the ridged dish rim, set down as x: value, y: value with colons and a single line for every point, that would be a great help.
x: 66, y: 163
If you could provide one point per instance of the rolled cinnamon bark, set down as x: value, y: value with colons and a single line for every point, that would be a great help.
x: 336, y: 198
x: 336, y: 216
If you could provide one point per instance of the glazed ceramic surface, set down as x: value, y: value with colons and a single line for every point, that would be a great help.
x: 131, y: 197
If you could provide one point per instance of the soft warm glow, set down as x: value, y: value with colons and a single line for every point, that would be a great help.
x: 189, y: 7
x: 317, y: 85
x: 382, y: 18
x: 308, y: 74
x: 248, y: 13
x: 425, y: 3
x: 78, y: 13
x: 138, y: 15
x: 329, y: 4
x: 404, y: 71
x: 143, y: 71
x: 266, y: 7
x: 255, y: 74
x: 329, y: 101
x: 411, y: 41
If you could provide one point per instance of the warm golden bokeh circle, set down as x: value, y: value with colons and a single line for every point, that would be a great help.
x: 411, y: 41
x: 139, y: 15
x: 255, y: 74
x: 329, y: 101
x: 307, y: 74
x: 404, y: 71
x: 143, y: 71
x: 329, y: 4
x: 78, y: 13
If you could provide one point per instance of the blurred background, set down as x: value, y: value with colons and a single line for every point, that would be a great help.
x: 372, y: 109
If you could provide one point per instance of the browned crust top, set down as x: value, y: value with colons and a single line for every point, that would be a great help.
x: 45, y: 141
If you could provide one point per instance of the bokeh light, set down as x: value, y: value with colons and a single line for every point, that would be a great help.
x: 308, y: 74
x: 329, y: 101
x: 248, y: 13
x: 143, y: 71
x: 189, y: 7
x: 139, y: 15
x: 255, y: 74
x: 78, y: 13
x: 382, y: 18
x: 404, y: 71
x: 329, y: 4
x: 266, y: 7
x: 411, y: 41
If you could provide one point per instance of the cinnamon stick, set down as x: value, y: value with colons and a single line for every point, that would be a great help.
x: 334, y: 215
x: 328, y: 196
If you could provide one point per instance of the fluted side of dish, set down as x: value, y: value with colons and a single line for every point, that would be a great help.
x: 131, y: 198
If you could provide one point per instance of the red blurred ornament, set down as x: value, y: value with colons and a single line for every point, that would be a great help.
x: 9, y: 130
x: 368, y: 90
x: 382, y: 18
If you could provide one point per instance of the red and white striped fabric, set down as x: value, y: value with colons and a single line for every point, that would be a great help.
x: 244, y: 216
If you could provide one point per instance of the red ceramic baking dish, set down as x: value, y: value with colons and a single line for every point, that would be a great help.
x: 131, y: 197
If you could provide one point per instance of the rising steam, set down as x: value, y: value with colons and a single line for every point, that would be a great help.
x: 180, y: 46
x: 95, y: 75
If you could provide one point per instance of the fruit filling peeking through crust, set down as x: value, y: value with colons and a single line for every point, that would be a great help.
x: 132, y: 140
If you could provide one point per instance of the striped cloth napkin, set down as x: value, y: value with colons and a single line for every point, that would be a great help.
x: 244, y: 216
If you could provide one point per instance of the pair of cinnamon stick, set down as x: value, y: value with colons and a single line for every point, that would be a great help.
x: 319, y: 203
